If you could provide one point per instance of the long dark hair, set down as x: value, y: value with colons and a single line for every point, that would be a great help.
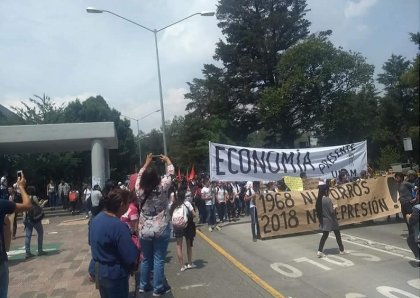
x: 322, y: 192
x: 149, y: 181
x: 179, y: 194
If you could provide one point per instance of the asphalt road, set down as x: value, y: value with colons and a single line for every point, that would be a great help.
x: 379, y: 263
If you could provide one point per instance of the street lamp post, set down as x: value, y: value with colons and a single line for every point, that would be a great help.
x: 155, y: 32
x: 138, y: 130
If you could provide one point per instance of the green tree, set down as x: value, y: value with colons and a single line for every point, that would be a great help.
x: 320, y: 90
x: 399, y: 107
x: 256, y: 34
x: 43, y: 111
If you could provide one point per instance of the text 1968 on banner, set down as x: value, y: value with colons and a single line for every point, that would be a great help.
x: 233, y: 163
x: 282, y: 213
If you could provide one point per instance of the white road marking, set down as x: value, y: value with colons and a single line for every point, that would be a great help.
x: 390, y: 291
x: 370, y: 242
x: 376, y: 249
x: 415, y: 283
x: 194, y: 286
x: 354, y: 295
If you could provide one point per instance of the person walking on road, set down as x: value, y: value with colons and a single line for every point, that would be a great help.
x: 188, y: 232
x: 327, y: 220
x: 405, y: 191
x: 154, y: 227
x: 8, y: 207
x: 208, y: 197
x: 114, y: 255
x: 250, y: 197
x: 413, y: 232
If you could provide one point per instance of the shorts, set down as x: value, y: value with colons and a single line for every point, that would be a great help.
x: 179, y: 233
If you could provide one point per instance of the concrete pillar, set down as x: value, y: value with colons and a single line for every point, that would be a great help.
x: 98, y: 163
x: 107, y: 165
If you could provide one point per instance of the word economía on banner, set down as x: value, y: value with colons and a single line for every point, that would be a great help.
x: 240, y: 163
x: 282, y: 213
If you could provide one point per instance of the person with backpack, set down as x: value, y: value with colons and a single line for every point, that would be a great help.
x: 413, y: 239
x: 182, y: 214
x: 33, y: 220
x: 154, y: 228
x: 73, y: 198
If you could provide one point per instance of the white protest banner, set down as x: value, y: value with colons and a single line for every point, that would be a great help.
x: 234, y: 163
x: 282, y: 213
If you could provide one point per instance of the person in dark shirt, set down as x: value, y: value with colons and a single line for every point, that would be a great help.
x: 8, y: 207
x: 114, y: 255
x: 413, y: 231
x: 405, y: 191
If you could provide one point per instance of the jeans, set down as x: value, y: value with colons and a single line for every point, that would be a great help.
x: 39, y: 230
x: 211, y: 216
x: 52, y: 199
x: 113, y: 288
x: 221, y: 211
x: 154, y: 254
x: 411, y: 241
x: 4, y: 278
x: 202, y: 211
x: 325, y: 236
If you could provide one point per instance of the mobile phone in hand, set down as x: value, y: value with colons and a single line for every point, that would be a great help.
x: 19, y: 174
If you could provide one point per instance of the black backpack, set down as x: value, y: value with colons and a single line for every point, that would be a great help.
x: 35, y: 214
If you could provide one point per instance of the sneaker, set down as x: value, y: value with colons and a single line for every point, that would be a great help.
x: 191, y: 266
x: 210, y: 229
x: 320, y: 254
x: 254, y: 239
x: 144, y: 290
x: 29, y: 255
x: 162, y: 292
x: 218, y: 228
x: 183, y: 268
x: 42, y: 253
x: 344, y: 252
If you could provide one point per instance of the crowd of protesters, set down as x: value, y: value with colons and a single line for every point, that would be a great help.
x: 131, y: 223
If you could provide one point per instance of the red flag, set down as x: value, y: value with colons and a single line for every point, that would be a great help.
x: 179, y: 174
x: 192, y: 174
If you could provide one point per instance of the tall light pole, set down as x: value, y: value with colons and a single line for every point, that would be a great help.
x: 138, y: 130
x: 155, y: 32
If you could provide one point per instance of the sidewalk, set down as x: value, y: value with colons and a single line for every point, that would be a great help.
x: 63, y: 272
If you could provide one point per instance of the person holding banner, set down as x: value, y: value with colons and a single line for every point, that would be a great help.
x: 250, y: 197
x: 208, y: 197
x: 327, y: 220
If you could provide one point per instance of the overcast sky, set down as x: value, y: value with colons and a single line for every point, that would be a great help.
x: 55, y: 47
